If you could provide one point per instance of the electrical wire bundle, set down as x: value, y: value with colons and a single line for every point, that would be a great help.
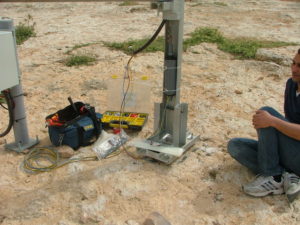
x: 127, y: 77
x: 10, y: 106
x: 127, y: 74
x: 44, y: 159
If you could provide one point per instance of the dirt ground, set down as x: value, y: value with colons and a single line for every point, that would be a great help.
x: 222, y: 92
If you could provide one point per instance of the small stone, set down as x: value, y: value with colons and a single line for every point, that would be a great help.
x: 209, y: 150
x: 2, y: 218
x: 218, y: 197
x: 156, y: 219
x: 131, y: 222
x: 238, y: 92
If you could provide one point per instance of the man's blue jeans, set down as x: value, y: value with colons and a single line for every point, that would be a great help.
x: 272, y: 154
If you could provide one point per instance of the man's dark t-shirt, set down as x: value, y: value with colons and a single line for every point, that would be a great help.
x: 292, y: 102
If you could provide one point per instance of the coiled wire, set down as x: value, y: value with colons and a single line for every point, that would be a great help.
x: 10, y: 106
x: 45, y: 159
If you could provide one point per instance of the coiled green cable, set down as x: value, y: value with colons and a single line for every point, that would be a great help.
x: 45, y: 159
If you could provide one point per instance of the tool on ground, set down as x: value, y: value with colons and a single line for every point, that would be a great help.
x: 127, y: 120
x: 108, y: 143
x: 76, y: 125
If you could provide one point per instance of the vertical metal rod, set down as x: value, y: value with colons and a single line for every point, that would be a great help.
x: 173, y: 13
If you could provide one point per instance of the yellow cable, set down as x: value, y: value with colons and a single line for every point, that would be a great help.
x: 122, y: 109
x: 43, y: 159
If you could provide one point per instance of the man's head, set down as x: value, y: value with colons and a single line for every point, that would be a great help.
x: 296, y: 67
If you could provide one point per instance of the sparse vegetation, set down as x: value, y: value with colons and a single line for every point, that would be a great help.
x: 25, y: 30
x: 242, y: 48
x: 220, y: 3
x: 153, y: 5
x: 128, y: 3
x: 133, y: 10
x: 197, y: 4
x: 79, y: 60
x: 132, y: 45
x: 200, y: 35
x: 79, y: 46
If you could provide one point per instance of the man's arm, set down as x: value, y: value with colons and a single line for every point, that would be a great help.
x: 263, y: 119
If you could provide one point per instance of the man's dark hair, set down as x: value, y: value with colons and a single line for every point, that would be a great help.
x: 299, y: 51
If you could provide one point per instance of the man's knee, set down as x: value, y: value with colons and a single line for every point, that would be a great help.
x: 268, y: 109
x: 232, y: 147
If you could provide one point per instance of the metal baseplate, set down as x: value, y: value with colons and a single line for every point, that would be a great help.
x: 163, y: 152
x: 18, y: 147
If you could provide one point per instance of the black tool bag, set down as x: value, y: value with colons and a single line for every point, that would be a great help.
x: 76, y: 125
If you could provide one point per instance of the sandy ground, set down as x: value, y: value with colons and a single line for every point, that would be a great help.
x: 202, y: 187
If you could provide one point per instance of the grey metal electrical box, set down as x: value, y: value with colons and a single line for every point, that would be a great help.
x: 9, y: 73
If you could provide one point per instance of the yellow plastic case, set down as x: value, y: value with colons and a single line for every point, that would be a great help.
x: 129, y: 120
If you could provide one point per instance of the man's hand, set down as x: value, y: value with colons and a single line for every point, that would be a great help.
x: 262, y: 119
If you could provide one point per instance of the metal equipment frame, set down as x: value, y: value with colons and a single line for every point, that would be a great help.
x: 22, y: 140
x: 171, y: 138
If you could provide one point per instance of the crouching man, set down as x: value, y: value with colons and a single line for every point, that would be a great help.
x: 275, y: 156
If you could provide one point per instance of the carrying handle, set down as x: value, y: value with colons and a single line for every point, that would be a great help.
x: 72, y: 104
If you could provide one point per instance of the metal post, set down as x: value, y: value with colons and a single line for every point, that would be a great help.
x: 173, y: 13
x: 22, y: 140
x: 171, y: 138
